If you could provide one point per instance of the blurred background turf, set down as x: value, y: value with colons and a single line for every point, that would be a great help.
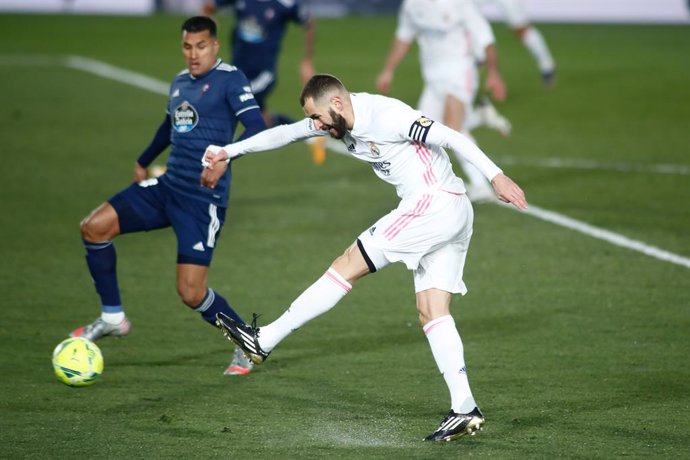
x: 576, y: 348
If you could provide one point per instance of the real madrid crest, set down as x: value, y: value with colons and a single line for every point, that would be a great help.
x: 424, y: 122
x: 374, y: 149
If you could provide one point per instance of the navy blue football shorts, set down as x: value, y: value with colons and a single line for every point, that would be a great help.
x: 150, y: 205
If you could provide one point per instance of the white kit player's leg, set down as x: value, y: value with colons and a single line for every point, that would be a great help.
x: 464, y: 417
x: 517, y: 18
x: 320, y: 297
x: 257, y: 343
x: 535, y: 43
x: 485, y: 114
x: 448, y: 352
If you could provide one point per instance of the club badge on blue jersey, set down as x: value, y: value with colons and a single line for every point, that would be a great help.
x: 185, y: 117
x: 251, y: 31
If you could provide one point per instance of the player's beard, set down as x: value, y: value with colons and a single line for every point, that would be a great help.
x: 339, y: 124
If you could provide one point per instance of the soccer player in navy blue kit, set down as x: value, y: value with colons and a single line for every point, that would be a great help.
x: 206, y: 101
x: 256, y: 41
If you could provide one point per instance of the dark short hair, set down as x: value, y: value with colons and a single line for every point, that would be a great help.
x: 199, y: 24
x: 319, y: 85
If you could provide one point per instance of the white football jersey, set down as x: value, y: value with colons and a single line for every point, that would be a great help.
x: 448, y: 32
x: 390, y: 135
x: 403, y: 147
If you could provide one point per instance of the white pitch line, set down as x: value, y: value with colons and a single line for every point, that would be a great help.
x: 111, y: 72
x: 606, y: 235
x: 575, y: 163
x: 138, y: 80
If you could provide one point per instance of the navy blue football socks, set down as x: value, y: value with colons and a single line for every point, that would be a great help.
x: 213, y: 304
x: 102, y: 261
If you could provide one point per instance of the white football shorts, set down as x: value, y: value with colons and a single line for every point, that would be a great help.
x: 460, y: 82
x: 430, y: 234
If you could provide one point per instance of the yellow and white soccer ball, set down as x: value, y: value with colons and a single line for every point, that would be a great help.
x: 77, y: 362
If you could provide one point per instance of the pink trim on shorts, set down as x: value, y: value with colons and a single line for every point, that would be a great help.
x: 404, y: 220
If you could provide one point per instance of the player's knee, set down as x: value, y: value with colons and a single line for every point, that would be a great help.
x: 351, y: 265
x: 191, y: 295
x: 100, y: 225
x: 424, y: 317
x: 91, y: 229
x: 520, y: 31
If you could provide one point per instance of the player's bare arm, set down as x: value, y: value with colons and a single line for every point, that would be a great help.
x: 494, y: 82
x: 306, y: 68
x: 398, y: 51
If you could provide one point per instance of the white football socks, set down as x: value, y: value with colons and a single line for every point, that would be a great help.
x: 113, y: 318
x: 447, y: 349
x: 535, y: 43
x: 320, y: 297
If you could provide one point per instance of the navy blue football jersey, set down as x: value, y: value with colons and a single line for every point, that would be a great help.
x: 259, y: 29
x: 204, y: 110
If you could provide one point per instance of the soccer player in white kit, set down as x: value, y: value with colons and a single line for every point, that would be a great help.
x: 429, y: 231
x: 516, y: 17
x: 450, y: 34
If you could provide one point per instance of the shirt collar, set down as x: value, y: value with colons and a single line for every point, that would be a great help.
x: 215, y: 66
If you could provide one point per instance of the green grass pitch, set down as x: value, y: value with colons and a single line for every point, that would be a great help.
x: 576, y: 348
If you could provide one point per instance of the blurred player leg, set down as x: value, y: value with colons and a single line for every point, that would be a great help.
x: 485, y: 114
x: 317, y: 146
x: 532, y: 39
x: 478, y: 187
x: 535, y: 43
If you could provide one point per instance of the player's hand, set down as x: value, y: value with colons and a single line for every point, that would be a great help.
x: 208, y: 8
x: 212, y: 156
x: 215, y: 163
x: 495, y: 85
x: 508, y: 191
x: 384, y: 81
x: 140, y: 173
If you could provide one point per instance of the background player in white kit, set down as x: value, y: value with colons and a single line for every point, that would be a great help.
x: 429, y: 231
x: 515, y: 16
x: 450, y: 34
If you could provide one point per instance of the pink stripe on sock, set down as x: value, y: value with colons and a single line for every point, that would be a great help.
x: 337, y: 279
x: 433, y: 323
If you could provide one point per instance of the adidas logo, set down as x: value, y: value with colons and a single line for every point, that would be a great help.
x: 199, y: 247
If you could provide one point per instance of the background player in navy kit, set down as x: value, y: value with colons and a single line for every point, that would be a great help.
x: 256, y: 42
x: 206, y: 101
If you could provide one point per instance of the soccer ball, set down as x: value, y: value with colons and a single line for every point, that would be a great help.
x: 77, y: 362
